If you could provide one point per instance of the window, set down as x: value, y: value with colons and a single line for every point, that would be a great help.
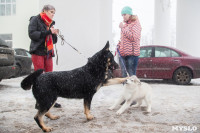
x: 7, y: 7
x: 165, y: 52
x: 161, y: 52
x: 145, y: 52
x: 7, y: 38
x: 20, y: 52
x: 175, y: 54
x: 28, y: 54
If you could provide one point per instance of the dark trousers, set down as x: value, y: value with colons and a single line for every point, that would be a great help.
x: 130, y: 62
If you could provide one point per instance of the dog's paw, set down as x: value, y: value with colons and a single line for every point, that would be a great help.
x: 111, y: 108
x: 55, y: 118
x: 135, y: 106
x: 149, y: 110
x: 47, y: 129
x: 118, y: 112
x: 90, y: 117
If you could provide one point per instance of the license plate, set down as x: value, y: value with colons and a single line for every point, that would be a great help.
x: 3, y: 56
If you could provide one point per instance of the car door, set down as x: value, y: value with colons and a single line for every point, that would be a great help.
x: 144, y: 68
x: 164, y: 62
x: 23, y: 60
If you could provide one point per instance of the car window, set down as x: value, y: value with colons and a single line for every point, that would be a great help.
x: 175, y: 54
x: 161, y: 52
x: 145, y: 52
x: 28, y: 54
x: 165, y: 52
x: 20, y: 52
x: 17, y: 52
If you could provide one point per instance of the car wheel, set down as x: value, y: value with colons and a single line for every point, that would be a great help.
x: 182, y: 76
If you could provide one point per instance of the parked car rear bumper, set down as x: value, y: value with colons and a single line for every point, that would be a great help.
x: 7, y: 72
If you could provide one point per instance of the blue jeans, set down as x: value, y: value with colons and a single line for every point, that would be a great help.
x: 130, y: 62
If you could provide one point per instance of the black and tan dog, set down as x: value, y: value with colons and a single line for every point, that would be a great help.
x: 80, y: 83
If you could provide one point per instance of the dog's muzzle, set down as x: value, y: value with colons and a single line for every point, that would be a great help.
x: 114, y: 66
x: 125, y: 82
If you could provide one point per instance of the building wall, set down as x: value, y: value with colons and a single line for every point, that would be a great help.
x: 85, y: 24
x: 188, y: 26
x: 18, y: 25
x: 161, y: 34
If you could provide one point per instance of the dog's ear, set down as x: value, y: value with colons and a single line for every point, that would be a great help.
x: 136, y: 80
x: 107, y: 46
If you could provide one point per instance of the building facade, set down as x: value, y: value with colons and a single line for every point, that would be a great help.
x: 14, y: 19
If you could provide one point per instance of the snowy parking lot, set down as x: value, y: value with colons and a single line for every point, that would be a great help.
x: 175, y: 108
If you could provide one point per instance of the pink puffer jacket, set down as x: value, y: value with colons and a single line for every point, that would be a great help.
x: 130, y: 39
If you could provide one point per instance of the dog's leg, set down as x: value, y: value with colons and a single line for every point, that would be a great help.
x: 115, y: 81
x: 87, y: 104
x: 124, y: 107
x: 118, y: 102
x: 147, y: 99
x: 52, y: 117
x: 39, y: 120
x: 138, y: 104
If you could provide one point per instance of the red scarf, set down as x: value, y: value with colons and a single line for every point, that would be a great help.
x: 48, y: 39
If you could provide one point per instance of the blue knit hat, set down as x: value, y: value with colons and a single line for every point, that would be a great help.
x: 127, y: 10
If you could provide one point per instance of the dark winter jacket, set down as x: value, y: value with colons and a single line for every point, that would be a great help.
x: 37, y: 31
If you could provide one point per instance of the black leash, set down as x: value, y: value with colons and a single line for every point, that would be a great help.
x: 123, y: 62
x: 63, y: 41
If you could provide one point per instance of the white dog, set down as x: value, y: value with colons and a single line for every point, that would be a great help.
x: 134, y: 90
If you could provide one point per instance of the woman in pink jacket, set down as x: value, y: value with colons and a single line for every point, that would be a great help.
x: 129, y: 46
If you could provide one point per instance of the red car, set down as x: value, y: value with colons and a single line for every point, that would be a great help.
x: 163, y: 62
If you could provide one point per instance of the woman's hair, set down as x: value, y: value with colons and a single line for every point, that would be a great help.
x: 133, y: 17
x: 48, y: 7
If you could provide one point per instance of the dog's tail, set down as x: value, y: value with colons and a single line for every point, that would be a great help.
x: 30, y: 79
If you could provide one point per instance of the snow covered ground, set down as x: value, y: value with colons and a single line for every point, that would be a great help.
x: 174, y: 108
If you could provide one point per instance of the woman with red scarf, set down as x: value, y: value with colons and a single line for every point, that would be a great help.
x: 43, y: 36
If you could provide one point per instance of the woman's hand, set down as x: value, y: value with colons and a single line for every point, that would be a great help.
x: 54, y: 31
x: 121, y: 25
